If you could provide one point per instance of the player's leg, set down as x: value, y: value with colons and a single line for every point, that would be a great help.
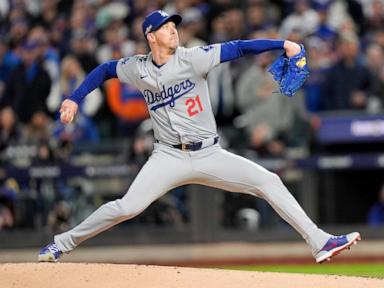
x: 164, y: 170
x: 222, y: 169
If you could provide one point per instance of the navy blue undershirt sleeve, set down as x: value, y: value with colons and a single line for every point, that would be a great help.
x: 94, y: 79
x: 236, y: 49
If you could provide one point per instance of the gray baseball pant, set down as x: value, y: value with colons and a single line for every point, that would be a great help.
x: 213, y: 166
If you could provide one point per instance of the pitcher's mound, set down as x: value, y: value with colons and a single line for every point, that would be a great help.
x: 79, y: 275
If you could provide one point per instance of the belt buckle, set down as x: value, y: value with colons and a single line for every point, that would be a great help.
x: 184, y: 147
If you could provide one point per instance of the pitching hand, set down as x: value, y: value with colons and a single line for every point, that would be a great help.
x: 68, y: 111
x: 291, y: 48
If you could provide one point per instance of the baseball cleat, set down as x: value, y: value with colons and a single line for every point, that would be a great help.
x: 335, y: 245
x: 50, y: 253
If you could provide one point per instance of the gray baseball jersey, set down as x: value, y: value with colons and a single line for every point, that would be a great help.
x: 178, y: 101
x: 176, y: 93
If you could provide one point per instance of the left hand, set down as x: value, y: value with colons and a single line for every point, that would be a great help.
x: 290, y: 69
x: 291, y: 48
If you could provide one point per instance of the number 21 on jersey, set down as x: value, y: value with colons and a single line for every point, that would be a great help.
x: 194, y: 106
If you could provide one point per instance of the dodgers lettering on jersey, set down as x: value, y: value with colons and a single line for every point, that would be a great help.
x: 168, y: 95
x: 176, y: 93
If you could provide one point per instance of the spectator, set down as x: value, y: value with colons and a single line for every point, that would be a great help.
x: 38, y: 129
x: 60, y: 35
x: 258, y: 17
x: 71, y: 75
x: 219, y: 29
x: 376, y: 212
x: 303, y: 19
x: 8, y: 196
x: 218, y: 7
x: 49, y: 60
x: 4, y: 10
x: 83, y: 47
x: 192, y: 27
x: 188, y: 35
x: 137, y: 31
x: 319, y: 62
x: 355, y: 10
x: 128, y: 105
x: 267, y: 115
x: 45, y: 155
x: 84, y: 129
x: 10, y: 132
x: 59, y: 217
x: 374, y: 16
x: 235, y: 23
x: 378, y: 37
x: 177, y: 6
x: 6, y: 218
x: 83, y: 17
x: 348, y: 82
x: 116, y: 44
x: 43, y: 191
x: 375, y: 64
x: 18, y: 29
x: 48, y: 13
x: 8, y: 61
x: 29, y: 85
x: 324, y: 31
x: 338, y: 15
x: 108, y: 13
x: 142, y: 145
x: 347, y: 26
x: 126, y: 102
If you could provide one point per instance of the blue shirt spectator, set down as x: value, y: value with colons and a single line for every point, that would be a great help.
x: 348, y: 81
x: 8, y: 61
x: 29, y: 85
x: 376, y: 212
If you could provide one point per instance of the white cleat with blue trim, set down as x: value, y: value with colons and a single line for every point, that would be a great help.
x: 50, y: 253
x: 335, y: 245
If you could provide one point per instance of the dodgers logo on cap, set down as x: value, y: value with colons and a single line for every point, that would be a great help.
x: 156, y: 19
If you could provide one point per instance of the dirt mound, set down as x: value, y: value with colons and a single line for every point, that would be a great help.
x: 82, y: 275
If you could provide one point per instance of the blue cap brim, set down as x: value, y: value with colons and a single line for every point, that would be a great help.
x: 175, y: 18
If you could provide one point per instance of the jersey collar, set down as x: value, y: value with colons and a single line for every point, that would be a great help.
x: 150, y: 58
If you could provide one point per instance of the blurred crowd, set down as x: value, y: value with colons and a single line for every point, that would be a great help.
x: 47, y: 47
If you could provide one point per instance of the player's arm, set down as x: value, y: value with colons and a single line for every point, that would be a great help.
x: 93, y: 80
x: 236, y: 49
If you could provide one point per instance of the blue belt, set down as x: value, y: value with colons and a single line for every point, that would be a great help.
x: 192, y: 146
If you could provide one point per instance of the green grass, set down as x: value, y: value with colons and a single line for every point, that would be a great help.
x: 361, y: 270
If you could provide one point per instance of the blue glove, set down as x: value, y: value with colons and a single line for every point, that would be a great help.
x: 290, y: 73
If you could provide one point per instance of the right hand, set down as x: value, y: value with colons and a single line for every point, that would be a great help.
x: 68, y: 111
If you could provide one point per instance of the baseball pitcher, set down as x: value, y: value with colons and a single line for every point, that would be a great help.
x: 173, y: 81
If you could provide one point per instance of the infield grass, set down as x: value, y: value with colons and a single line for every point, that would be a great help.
x: 355, y: 269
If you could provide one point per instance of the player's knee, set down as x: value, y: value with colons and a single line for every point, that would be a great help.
x: 271, y: 179
x: 127, y: 208
x: 275, y: 178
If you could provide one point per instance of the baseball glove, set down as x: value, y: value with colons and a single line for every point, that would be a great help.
x: 290, y: 73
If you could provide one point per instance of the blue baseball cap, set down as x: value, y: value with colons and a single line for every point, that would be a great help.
x: 154, y: 20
